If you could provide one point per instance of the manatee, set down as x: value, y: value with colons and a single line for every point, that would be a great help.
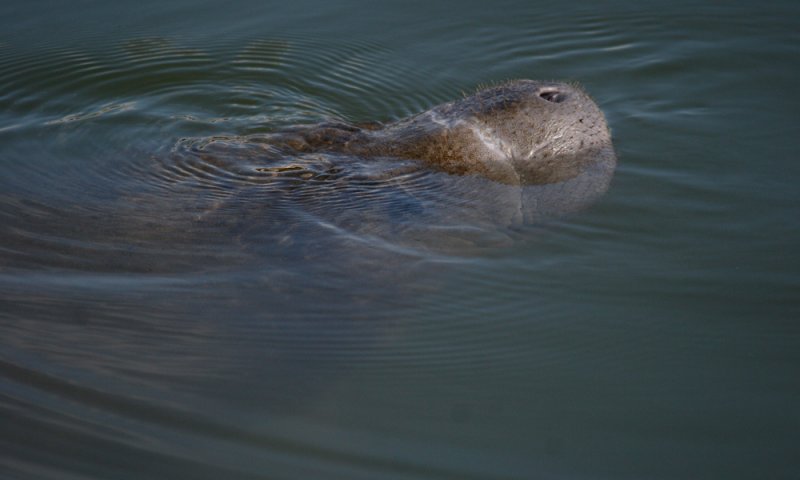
x: 461, y: 175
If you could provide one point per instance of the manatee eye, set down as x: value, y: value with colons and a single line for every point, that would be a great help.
x: 552, y: 95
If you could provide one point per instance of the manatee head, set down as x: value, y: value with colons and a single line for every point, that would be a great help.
x: 532, y: 132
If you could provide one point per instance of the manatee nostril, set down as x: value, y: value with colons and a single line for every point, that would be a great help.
x: 552, y: 95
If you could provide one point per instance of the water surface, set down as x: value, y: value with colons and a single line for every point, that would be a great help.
x: 167, y: 315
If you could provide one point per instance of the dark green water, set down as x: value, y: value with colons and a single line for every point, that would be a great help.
x: 166, y: 317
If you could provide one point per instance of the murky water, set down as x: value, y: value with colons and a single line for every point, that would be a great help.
x: 165, y: 313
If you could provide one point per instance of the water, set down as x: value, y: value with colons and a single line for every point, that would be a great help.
x: 166, y: 317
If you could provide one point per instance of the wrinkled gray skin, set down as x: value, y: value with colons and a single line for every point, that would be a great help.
x: 520, y: 133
